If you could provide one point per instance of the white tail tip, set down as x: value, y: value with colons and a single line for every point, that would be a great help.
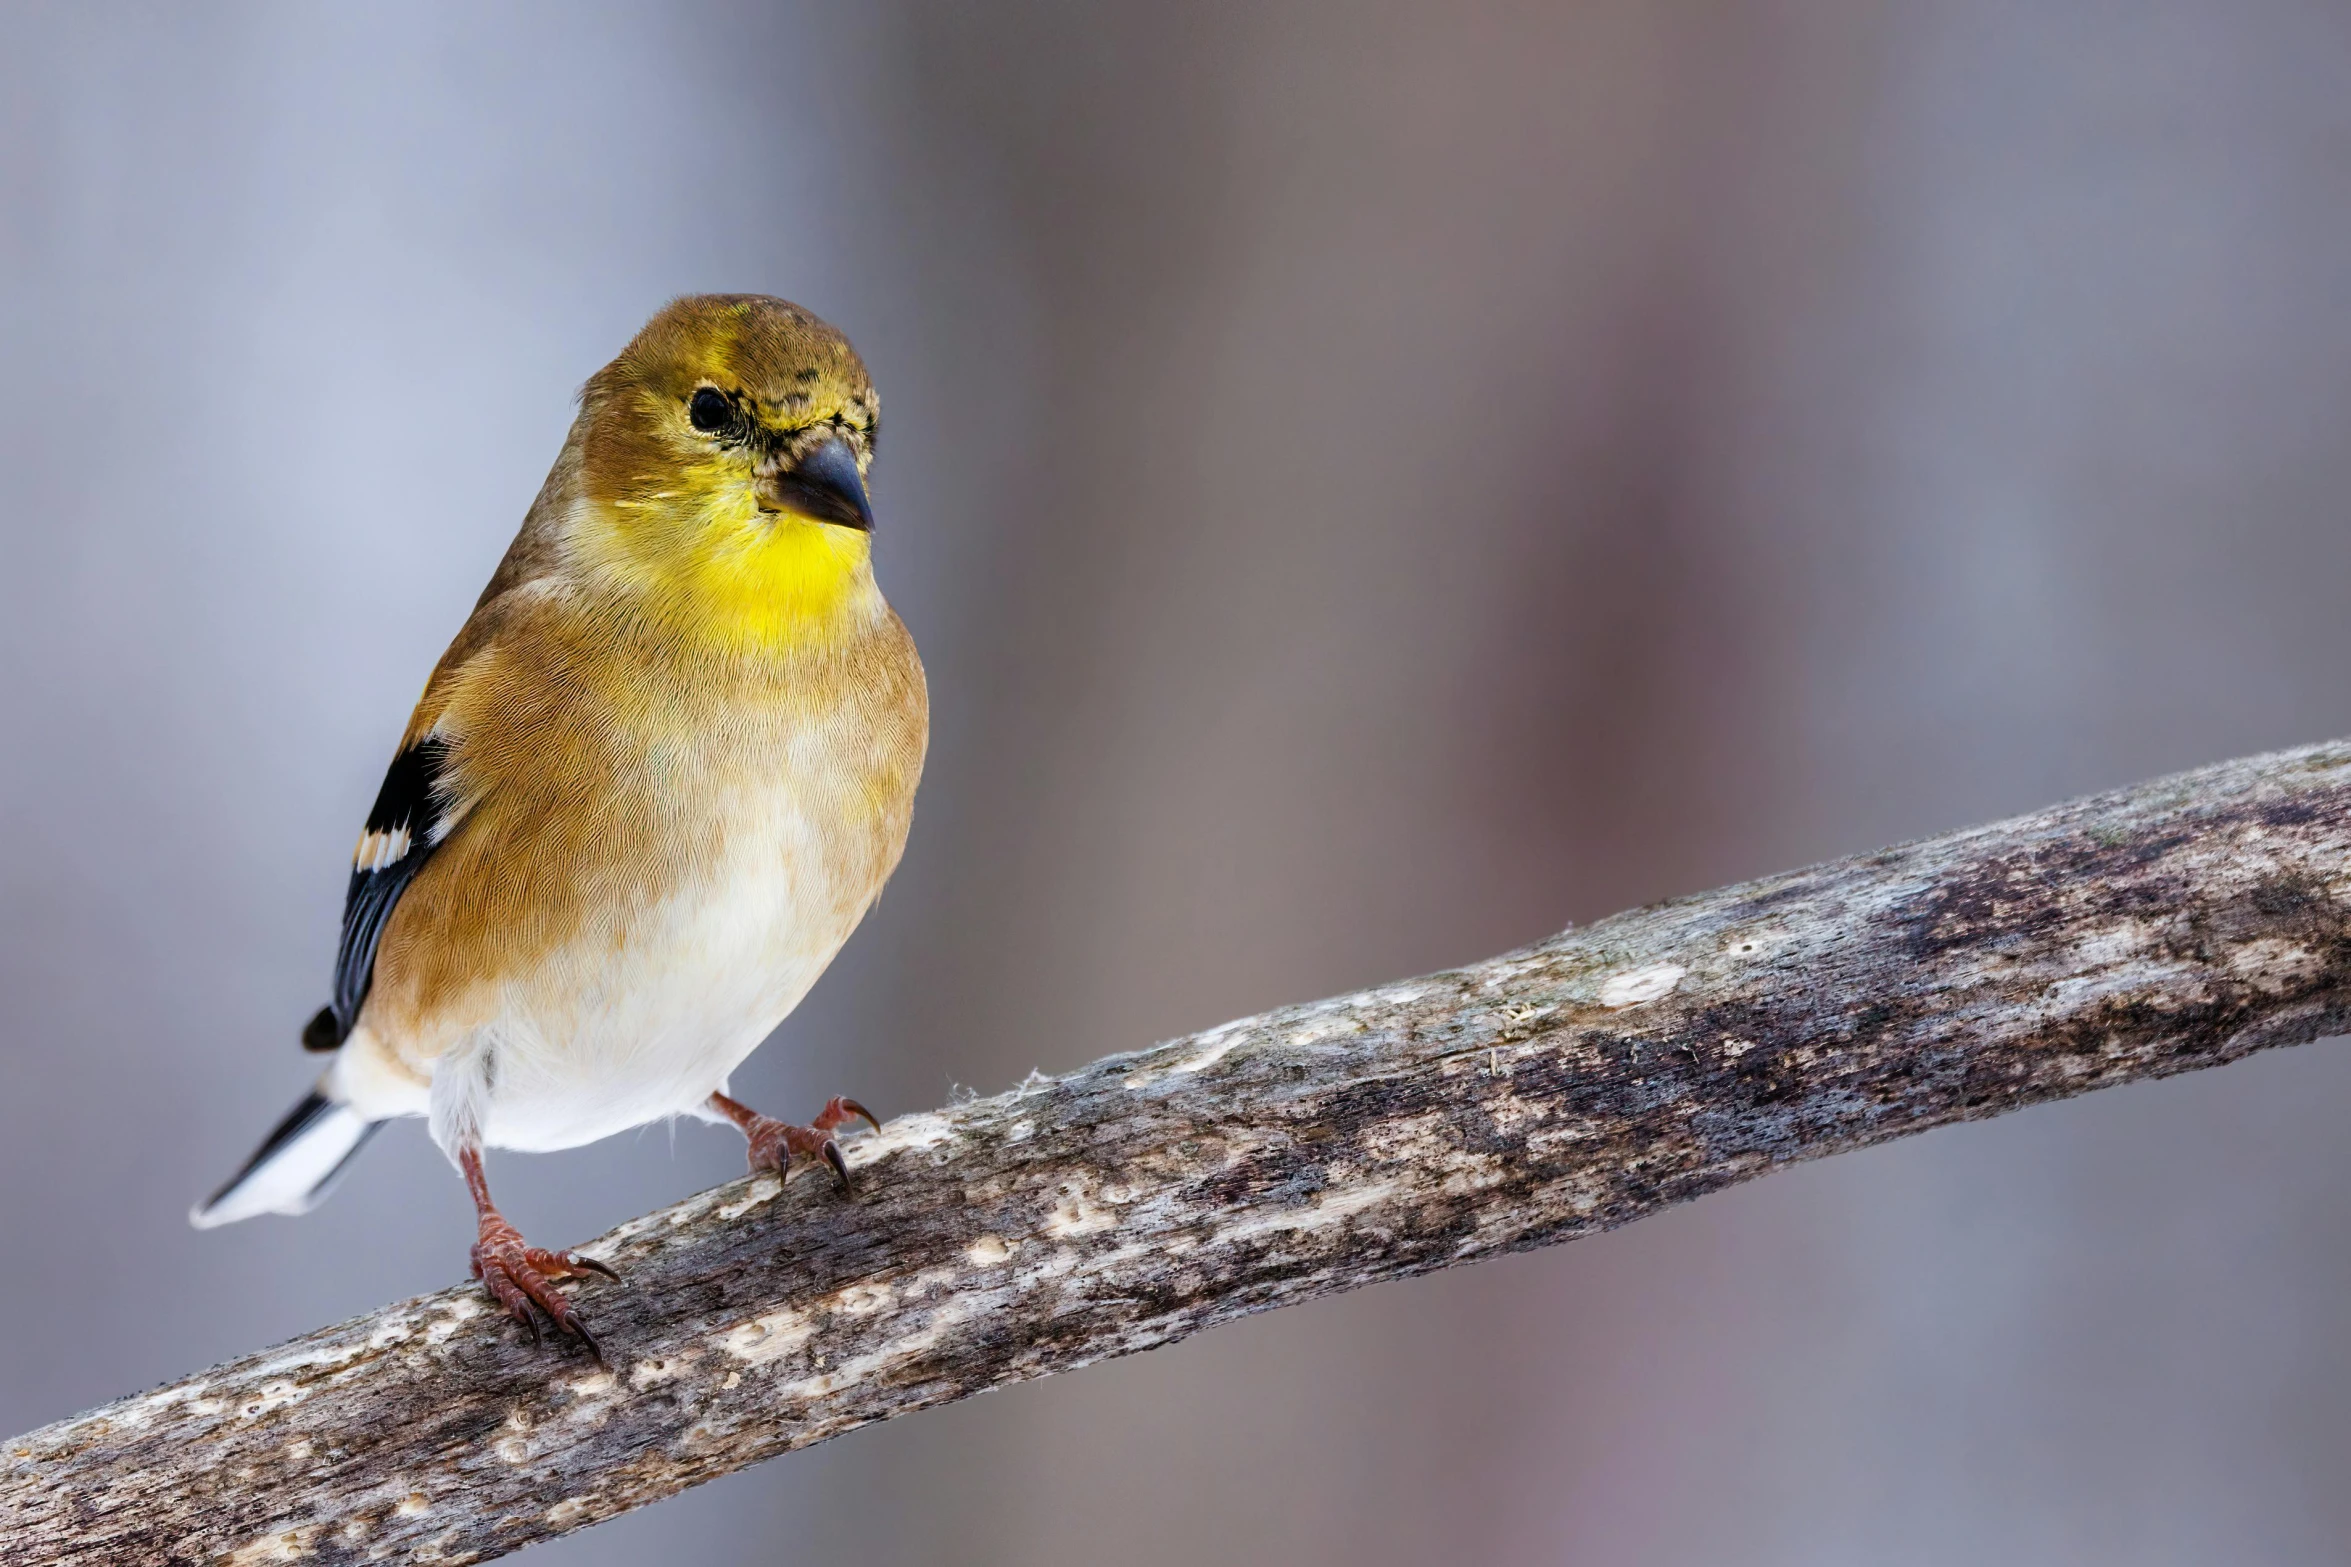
x: 293, y: 1168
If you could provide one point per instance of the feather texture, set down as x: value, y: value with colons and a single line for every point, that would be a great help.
x: 654, y: 783
x: 660, y: 774
x: 407, y: 823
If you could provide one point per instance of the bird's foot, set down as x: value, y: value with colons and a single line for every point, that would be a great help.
x: 774, y: 1143
x: 522, y: 1279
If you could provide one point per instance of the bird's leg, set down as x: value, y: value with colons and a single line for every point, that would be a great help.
x: 519, y: 1276
x: 774, y: 1142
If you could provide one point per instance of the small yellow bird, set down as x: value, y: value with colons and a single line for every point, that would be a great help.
x: 650, y: 789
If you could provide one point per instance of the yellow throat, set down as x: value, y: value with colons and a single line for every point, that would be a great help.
x: 730, y: 575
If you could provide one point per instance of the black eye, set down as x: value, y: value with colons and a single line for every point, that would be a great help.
x: 710, y: 409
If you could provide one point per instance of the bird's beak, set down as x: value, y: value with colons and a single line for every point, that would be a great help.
x: 822, y: 485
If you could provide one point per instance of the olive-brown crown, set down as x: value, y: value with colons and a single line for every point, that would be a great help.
x: 716, y: 387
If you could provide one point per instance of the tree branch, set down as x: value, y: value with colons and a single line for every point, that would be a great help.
x: 1567, y: 1088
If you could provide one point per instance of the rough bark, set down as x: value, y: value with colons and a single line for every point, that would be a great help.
x: 1570, y: 1087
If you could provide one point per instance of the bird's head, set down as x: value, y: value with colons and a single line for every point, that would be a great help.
x: 721, y: 471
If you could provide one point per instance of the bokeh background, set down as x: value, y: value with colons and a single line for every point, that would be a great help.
x: 1373, y: 482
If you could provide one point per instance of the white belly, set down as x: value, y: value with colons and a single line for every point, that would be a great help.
x: 650, y: 1026
x: 645, y: 1014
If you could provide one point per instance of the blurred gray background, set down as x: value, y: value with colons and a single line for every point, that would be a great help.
x: 1373, y: 483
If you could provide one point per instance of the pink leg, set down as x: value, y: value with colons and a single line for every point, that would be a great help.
x: 774, y: 1142
x: 521, y: 1277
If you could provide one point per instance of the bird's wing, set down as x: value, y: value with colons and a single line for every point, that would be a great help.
x: 413, y: 813
x: 421, y: 803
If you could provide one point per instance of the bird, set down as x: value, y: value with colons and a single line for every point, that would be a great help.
x: 650, y: 790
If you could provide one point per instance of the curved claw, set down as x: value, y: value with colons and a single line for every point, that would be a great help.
x: 775, y: 1144
x: 521, y: 1279
x: 513, y: 1302
x: 579, y: 1330
x: 590, y: 1265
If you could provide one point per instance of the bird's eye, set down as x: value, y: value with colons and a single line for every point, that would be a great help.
x: 710, y: 409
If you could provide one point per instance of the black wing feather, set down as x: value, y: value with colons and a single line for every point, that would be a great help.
x: 413, y: 803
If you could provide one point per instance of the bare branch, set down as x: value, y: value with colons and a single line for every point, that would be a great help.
x: 1570, y: 1087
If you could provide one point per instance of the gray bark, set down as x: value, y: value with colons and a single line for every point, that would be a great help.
x: 1569, y: 1087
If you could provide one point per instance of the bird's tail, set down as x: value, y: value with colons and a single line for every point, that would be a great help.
x: 294, y: 1166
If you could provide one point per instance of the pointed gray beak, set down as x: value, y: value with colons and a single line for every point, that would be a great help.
x: 822, y: 485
